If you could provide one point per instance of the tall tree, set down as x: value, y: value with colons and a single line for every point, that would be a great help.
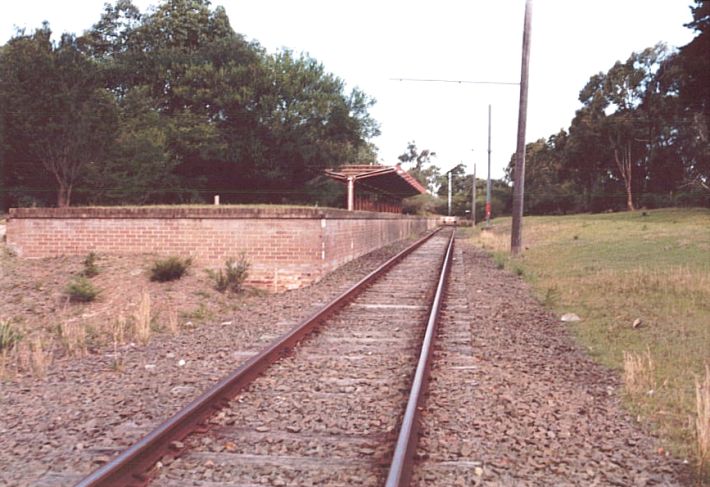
x: 460, y: 190
x: 139, y: 167
x: 695, y: 85
x: 548, y: 189
x: 55, y: 113
x: 307, y: 121
x: 421, y: 166
x: 249, y: 125
x: 692, y: 79
x: 614, y: 101
x: 172, y: 95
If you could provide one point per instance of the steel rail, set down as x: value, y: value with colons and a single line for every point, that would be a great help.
x: 132, y: 466
x: 400, y: 471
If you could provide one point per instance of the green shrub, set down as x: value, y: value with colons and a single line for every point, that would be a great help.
x: 694, y: 197
x: 500, y: 261
x: 81, y: 290
x: 90, y: 267
x: 232, y: 276
x: 169, y: 269
x: 9, y: 336
x: 552, y: 297
x: 655, y: 200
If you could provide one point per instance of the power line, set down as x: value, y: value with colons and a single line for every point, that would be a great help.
x: 457, y: 81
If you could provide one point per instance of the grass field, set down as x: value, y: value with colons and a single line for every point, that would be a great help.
x: 616, y: 269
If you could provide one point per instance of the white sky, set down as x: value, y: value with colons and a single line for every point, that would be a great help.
x: 367, y: 42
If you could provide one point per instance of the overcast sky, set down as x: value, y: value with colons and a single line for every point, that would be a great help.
x: 368, y: 42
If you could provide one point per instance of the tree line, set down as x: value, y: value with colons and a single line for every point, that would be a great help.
x: 170, y: 106
x: 420, y: 164
x: 640, y: 139
x: 173, y: 106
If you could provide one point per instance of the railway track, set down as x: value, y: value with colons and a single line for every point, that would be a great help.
x: 333, y: 402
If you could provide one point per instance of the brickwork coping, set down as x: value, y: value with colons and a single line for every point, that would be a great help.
x: 199, y: 212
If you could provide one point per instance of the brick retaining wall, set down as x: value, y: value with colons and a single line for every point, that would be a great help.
x: 287, y: 247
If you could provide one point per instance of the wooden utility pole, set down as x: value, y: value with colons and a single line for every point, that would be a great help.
x: 450, y: 192
x: 488, y: 180
x: 473, y: 197
x: 516, y: 237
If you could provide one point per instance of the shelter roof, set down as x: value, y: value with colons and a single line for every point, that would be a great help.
x: 392, y: 180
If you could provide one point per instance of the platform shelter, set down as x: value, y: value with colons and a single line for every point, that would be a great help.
x: 376, y: 187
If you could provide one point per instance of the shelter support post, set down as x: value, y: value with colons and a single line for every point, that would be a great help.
x: 351, y: 193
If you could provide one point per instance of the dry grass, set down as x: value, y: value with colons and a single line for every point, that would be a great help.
x: 118, y: 330
x: 9, y: 335
x: 33, y: 303
x: 40, y: 356
x: 118, y: 337
x: 614, y: 269
x: 639, y: 373
x: 4, y: 373
x: 73, y: 336
x: 142, y: 319
x: 9, y: 338
x: 172, y: 324
x: 494, y: 241
x: 702, y: 421
x: 674, y: 280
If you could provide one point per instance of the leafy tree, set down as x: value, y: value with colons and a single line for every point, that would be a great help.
x: 690, y: 80
x: 546, y: 191
x: 307, y: 122
x: 460, y: 183
x: 421, y: 204
x: 695, y: 84
x: 56, y: 116
x: 139, y: 168
x: 170, y: 105
x: 422, y: 168
x: 613, y: 103
x: 252, y: 126
x: 640, y: 137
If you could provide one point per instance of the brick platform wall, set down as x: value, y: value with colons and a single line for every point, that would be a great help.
x: 287, y: 247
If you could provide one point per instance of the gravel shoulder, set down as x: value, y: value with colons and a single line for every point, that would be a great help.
x: 524, y: 405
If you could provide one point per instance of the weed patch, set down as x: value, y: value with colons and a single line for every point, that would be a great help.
x: 118, y: 336
x: 9, y: 335
x: 552, y: 297
x: 232, y: 277
x: 9, y: 338
x: 90, y: 267
x: 169, y: 269
x: 81, y: 290
x: 201, y: 313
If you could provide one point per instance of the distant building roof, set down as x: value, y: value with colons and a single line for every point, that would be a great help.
x: 391, y: 180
